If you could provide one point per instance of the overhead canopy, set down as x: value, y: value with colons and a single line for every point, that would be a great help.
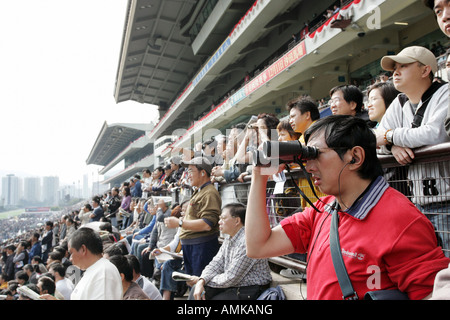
x: 112, y: 139
x: 156, y: 60
x: 165, y: 44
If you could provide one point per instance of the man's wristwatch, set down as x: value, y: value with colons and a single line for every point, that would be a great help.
x: 388, y: 136
x: 180, y: 222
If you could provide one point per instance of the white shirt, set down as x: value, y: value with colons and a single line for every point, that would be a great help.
x: 101, y: 281
x: 65, y: 287
x: 149, y: 288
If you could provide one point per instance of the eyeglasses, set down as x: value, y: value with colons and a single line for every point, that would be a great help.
x: 334, y: 101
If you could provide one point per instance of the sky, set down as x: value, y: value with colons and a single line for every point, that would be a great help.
x: 58, y: 65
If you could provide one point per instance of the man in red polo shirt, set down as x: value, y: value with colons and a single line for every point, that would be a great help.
x: 386, y: 242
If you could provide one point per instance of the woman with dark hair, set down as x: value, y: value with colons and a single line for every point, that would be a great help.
x: 124, y: 210
x: 256, y: 134
x: 380, y: 96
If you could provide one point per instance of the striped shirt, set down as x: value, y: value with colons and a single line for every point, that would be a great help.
x: 232, y: 268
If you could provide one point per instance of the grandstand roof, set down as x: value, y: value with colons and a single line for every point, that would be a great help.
x: 159, y: 59
x: 114, y: 138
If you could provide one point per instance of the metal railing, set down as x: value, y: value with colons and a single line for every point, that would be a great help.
x: 434, y: 159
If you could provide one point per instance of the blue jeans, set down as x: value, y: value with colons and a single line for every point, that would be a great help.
x: 197, y: 256
x: 167, y: 283
x: 439, y: 215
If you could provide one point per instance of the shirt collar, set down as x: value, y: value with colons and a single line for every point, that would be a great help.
x: 369, y: 198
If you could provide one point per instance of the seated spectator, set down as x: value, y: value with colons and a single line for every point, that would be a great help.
x: 140, y: 239
x: 32, y: 287
x: 54, y: 256
x: 161, y: 235
x: 168, y: 286
x: 31, y: 271
x: 101, y: 280
x: 348, y: 100
x: 63, y: 284
x: 231, y: 275
x: 37, y: 262
x: 146, y: 285
x: 406, y: 254
x: 401, y: 130
x: 97, y: 212
x: 131, y: 290
x: 22, y: 277
x: 3, y: 282
x: 47, y: 287
x: 380, y: 97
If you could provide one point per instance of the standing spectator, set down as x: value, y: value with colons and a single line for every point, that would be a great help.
x: 303, y: 112
x: 21, y: 256
x: 200, y: 229
x: 113, y: 206
x: 101, y: 280
x: 401, y: 130
x: 85, y: 214
x: 125, y: 210
x: 47, y: 241
x: 231, y: 275
x: 35, y: 247
x: 63, y: 228
x: 8, y: 266
x: 441, y: 9
x: 97, y: 212
x: 380, y: 97
x: 71, y: 226
x: 159, y: 177
x: 348, y: 100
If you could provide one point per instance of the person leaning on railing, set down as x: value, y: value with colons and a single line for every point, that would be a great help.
x: 413, y: 120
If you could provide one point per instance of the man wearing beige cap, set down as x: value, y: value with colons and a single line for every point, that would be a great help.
x: 199, y: 233
x: 415, y: 119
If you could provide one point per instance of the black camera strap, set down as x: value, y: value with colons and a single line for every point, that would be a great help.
x: 304, y: 196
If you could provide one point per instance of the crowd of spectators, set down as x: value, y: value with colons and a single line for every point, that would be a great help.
x: 126, y: 243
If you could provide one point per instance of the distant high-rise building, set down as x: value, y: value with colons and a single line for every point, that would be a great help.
x: 10, y: 190
x: 32, y: 189
x: 50, y: 186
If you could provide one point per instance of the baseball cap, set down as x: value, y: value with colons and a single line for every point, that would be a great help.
x: 410, y: 55
x: 200, y: 162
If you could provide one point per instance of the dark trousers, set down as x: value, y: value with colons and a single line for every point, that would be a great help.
x: 233, y: 293
x: 197, y: 256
